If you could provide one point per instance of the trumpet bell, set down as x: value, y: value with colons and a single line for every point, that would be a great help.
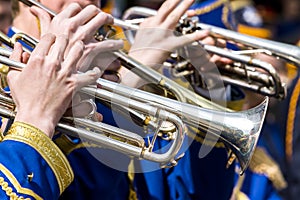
x: 243, y: 143
x: 238, y: 130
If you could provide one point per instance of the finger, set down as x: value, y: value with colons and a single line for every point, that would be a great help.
x: 97, y: 21
x: 85, y: 15
x: 70, y: 11
x: 58, y: 48
x: 17, y: 52
x: 43, y: 47
x: 16, y: 56
x: 192, y: 37
x: 191, y: 13
x: 87, y: 78
x: 173, y: 18
x: 25, y: 57
x: 98, y: 117
x: 166, y: 8
x: 43, y: 16
x: 114, y: 66
x: 220, y: 60
x: 106, y: 46
x: 112, y: 77
x: 209, y: 41
x: 72, y: 58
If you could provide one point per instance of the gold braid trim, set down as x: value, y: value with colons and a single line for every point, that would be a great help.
x: 132, y: 192
x: 262, y: 163
x: 9, y: 191
x: 213, y: 6
x: 210, y: 7
x: 35, y: 138
x: 291, y: 121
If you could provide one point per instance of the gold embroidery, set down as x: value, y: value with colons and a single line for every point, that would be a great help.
x: 210, y: 7
x: 262, y: 163
x: 237, y: 194
x: 132, y: 192
x: 16, y: 185
x: 35, y: 138
x: 291, y: 121
x: 225, y: 14
x: 215, y: 5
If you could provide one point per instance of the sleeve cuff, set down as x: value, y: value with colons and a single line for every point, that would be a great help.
x: 35, y: 138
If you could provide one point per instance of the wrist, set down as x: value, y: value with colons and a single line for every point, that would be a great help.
x: 44, y: 124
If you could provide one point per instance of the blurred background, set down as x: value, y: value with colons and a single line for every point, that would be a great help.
x: 281, y: 17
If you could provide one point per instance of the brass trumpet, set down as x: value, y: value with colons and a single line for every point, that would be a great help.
x: 189, y: 96
x: 238, y: 130
x: 243, y: 72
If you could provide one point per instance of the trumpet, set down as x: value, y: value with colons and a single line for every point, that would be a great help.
x: 184, y: 95
x: 238, y: 130
x: 243, y: 72
x: 148, y: 74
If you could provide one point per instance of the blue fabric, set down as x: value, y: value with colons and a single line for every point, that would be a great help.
x: 215, y: 15
x: 99, y: 172
x: 259, y: 187
x: 193, y: 177
x: 21, y: 164
x: 94, y: 179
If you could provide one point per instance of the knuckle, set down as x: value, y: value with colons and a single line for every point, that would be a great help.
x: 38, y: 59
x: 93, y: 8
x: 72, y: 26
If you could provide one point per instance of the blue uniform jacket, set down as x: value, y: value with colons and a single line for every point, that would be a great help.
x: 31, y: 165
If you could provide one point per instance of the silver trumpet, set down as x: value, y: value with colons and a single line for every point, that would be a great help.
x: 243, y: 73
x: 238, y: 130
x: 188, y: 96
x: 148, y: 74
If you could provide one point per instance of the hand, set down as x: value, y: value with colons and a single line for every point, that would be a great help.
x: 82, y: 24
x: 43, y: 90
x: 155, y: 39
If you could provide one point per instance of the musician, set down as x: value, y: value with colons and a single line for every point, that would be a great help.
x: 32, y: 166
x: 94, y: 178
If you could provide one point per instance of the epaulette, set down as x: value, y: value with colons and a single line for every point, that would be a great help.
x: 262, y: 163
